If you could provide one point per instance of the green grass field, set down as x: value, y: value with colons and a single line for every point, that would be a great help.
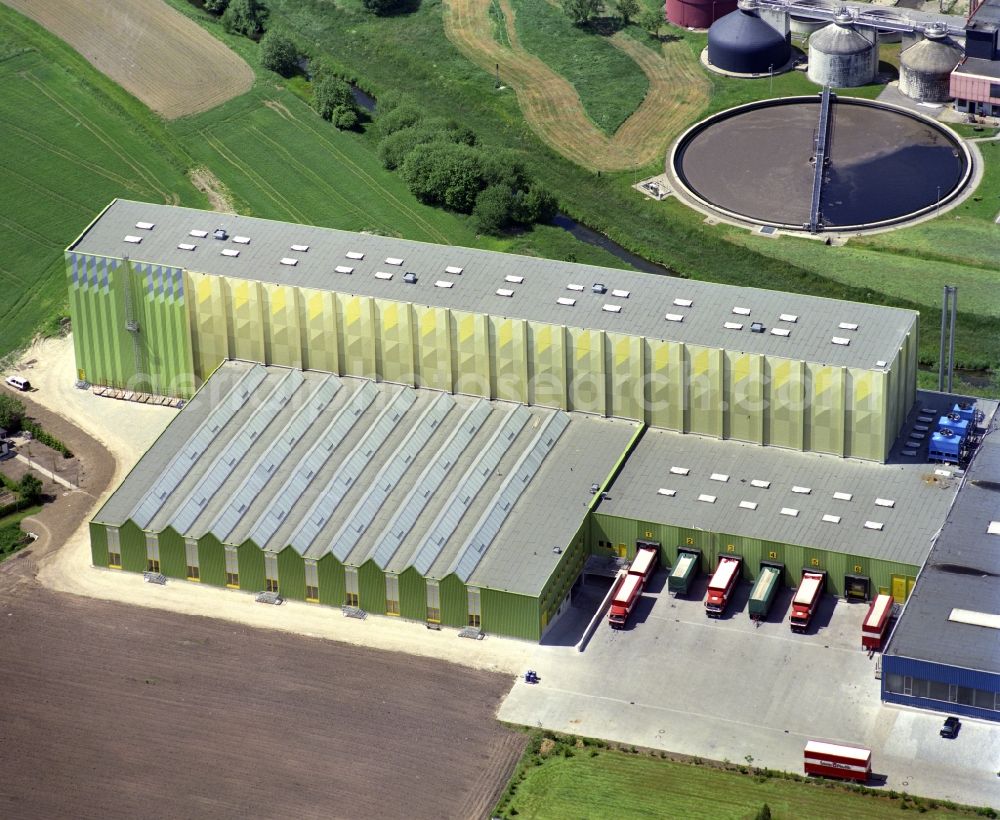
x: 610, y: 83
x: 602, y: 784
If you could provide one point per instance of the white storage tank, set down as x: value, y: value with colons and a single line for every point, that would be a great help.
x: 803, y: 26
x: 925, y: 68
x: 843, y: 54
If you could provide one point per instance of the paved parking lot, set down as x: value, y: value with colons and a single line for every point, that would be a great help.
x: 725, y: 689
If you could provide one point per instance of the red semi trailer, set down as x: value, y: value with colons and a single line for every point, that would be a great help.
x: 624, y: 601
x: 876, y: 623
x: 834, y: 760
x: 644, y: 564
x: 723, y: 582
x: 807, y: 599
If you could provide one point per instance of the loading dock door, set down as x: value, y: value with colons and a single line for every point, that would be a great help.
x: 856, y: 587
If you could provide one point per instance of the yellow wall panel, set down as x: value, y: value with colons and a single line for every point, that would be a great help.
x: 865, y: 434
x: 509, y: 352
x: 624, y: 369
x: 356, y: 326
x: 246, y: 322
x: 282, y: 337
x: 209, y: 313
x: 744, y: 412
x: 785, y: 400
x: 547, y: 365
x: 585, y: 374
x: 825, y: 414
x: 433, y: 347
x: 318, y: 323
x: 471, y: 353
x: 704, y: 383
x: 394, y: 343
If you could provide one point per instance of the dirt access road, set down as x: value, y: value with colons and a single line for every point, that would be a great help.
x: 153, y: 51
x: 678, y: 90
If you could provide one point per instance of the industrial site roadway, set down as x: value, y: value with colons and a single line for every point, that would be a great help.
x: 674, y: 681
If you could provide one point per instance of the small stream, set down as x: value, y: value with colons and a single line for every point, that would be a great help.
x: 599, y: 240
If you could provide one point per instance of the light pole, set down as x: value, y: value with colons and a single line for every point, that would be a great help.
x: 937, y: 204
x: 770, y: 80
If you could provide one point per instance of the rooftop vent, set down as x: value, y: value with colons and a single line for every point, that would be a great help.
x: 708, y: 499
x: 756, y: 327
x: 840, y: 340
x: 884, y: 502
x: 780, y: 331
x: 848, y: 325
x: 393, y: 260
x: 719, y: 477
x: 759, y: 482
x: 732, y: 326
x: 680, y: 470
x: 220, y: 233
x: 790, y: 511
x: 788, y: 317
x: 874, y: 525
x: 441, y: 283
x: 881, y: 363
x: 131, y: 238
x: 620, y: 294
x: 612, y: 308
x: 843, y: 496
x: 145, y: 226
x: 599, y: 287
x: 665, y: 491
x: 831, y: 519
x: 199, y: 234
x: 801, y: 490
x: 410, y: 278
x: 344, y: 269
x: 683, y: 302
x: 674, y: 317
x: 741, y: 311
x: 241, y: 240
x: 748, y: 505
x: 504, y: 292
x: 514, y: 280
x: 381, y: 274
x: 454, y: 269
x: 186, y: 246
x: 572, y: 286
x: 230, y: 252
x: 288, y: 260
x: 354, y: 255
x: 300, y: 248
x: 563, y: 300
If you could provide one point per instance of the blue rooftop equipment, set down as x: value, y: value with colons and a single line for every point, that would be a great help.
x: 965, y: 410
x: 946, y: 446
x: 955, y: 423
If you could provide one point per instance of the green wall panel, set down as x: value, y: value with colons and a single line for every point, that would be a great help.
x: 371, y: 588
x: 133, y: 544
x: 454, y: 602
x: 173, y: 557
x: 705, y: 396
x: 211, y: 561
x: 412, y: 595
x: 825, y: 415
x: 251, y: 563
x: 291, y: 574
x: 564, y: 575
x: 505, y: 613
x: 332, y: 586
x: 784, y: 422
x: 98, y: 544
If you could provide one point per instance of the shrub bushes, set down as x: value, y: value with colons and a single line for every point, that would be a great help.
x: 48, y: 440
x: 279, y: 53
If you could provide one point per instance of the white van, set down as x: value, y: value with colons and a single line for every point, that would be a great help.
x: 18, y: 383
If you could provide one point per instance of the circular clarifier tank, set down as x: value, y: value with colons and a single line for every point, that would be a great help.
x: 757, y: 163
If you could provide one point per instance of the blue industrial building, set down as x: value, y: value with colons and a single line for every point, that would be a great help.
x: 945, y: 652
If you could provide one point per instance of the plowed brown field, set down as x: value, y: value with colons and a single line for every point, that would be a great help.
x: 677, y: 91
x: 153, y: 51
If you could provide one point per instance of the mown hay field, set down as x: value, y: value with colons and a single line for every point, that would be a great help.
x: 155, y: 53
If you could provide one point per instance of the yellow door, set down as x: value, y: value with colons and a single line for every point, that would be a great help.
x: 910, y: 583
x: 622, y: 551
x: 899, y: 588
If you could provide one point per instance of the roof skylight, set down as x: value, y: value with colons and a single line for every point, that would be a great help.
x: 563, y: 300
x: 344, y: 269
x: 241, y: 240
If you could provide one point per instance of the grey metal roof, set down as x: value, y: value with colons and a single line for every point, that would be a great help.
x: 920, y: 497
x: 978, y: 67
x: 333, y: 470
x: 649, y: 298
x: 961, y: 572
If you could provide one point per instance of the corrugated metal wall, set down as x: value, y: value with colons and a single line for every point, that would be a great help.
x: 623, y: 531
x: 133, y: 544
x: 567, y: 571
x: 196, y: 324
x: 291, y: 574
x: 412, y: 595
x: 173, y: 554
x: 331, y: 580
x: 211, y: 561
x: 454, y: 602
x: 98, y: 544
x: 505, y: 613
x: 251, y: 567
x: 921, y: 670
x: 371, y: 588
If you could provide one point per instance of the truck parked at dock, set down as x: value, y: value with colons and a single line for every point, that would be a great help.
x: 684, y: 571
x: 765, y: 589
x: 722, y: 584
x: 624, y: 600
x: 806, y: 599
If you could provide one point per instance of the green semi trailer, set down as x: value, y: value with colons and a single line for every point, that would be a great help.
x: 765, y: 589
x: 684, y: 571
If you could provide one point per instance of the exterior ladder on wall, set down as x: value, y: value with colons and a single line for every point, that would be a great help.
x: 131, y: 322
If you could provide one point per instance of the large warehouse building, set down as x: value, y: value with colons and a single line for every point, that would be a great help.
x: 446, y: 434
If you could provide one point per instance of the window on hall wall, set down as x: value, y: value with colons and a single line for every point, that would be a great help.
x: 191, y: 551
x: 475, y: 613
x: 270, y: 572
x: 351, y: 586
x: 312, y: 582
x: 152, y: 552
x: 114, y: 548
x: 433, y: 602
x: 232, y: 568
x: 391, y: 594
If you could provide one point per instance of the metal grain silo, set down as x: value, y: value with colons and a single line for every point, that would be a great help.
x: 743, y: 43
x: 842, y: 54
x: 925, y: 68
x: 698, y: 13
